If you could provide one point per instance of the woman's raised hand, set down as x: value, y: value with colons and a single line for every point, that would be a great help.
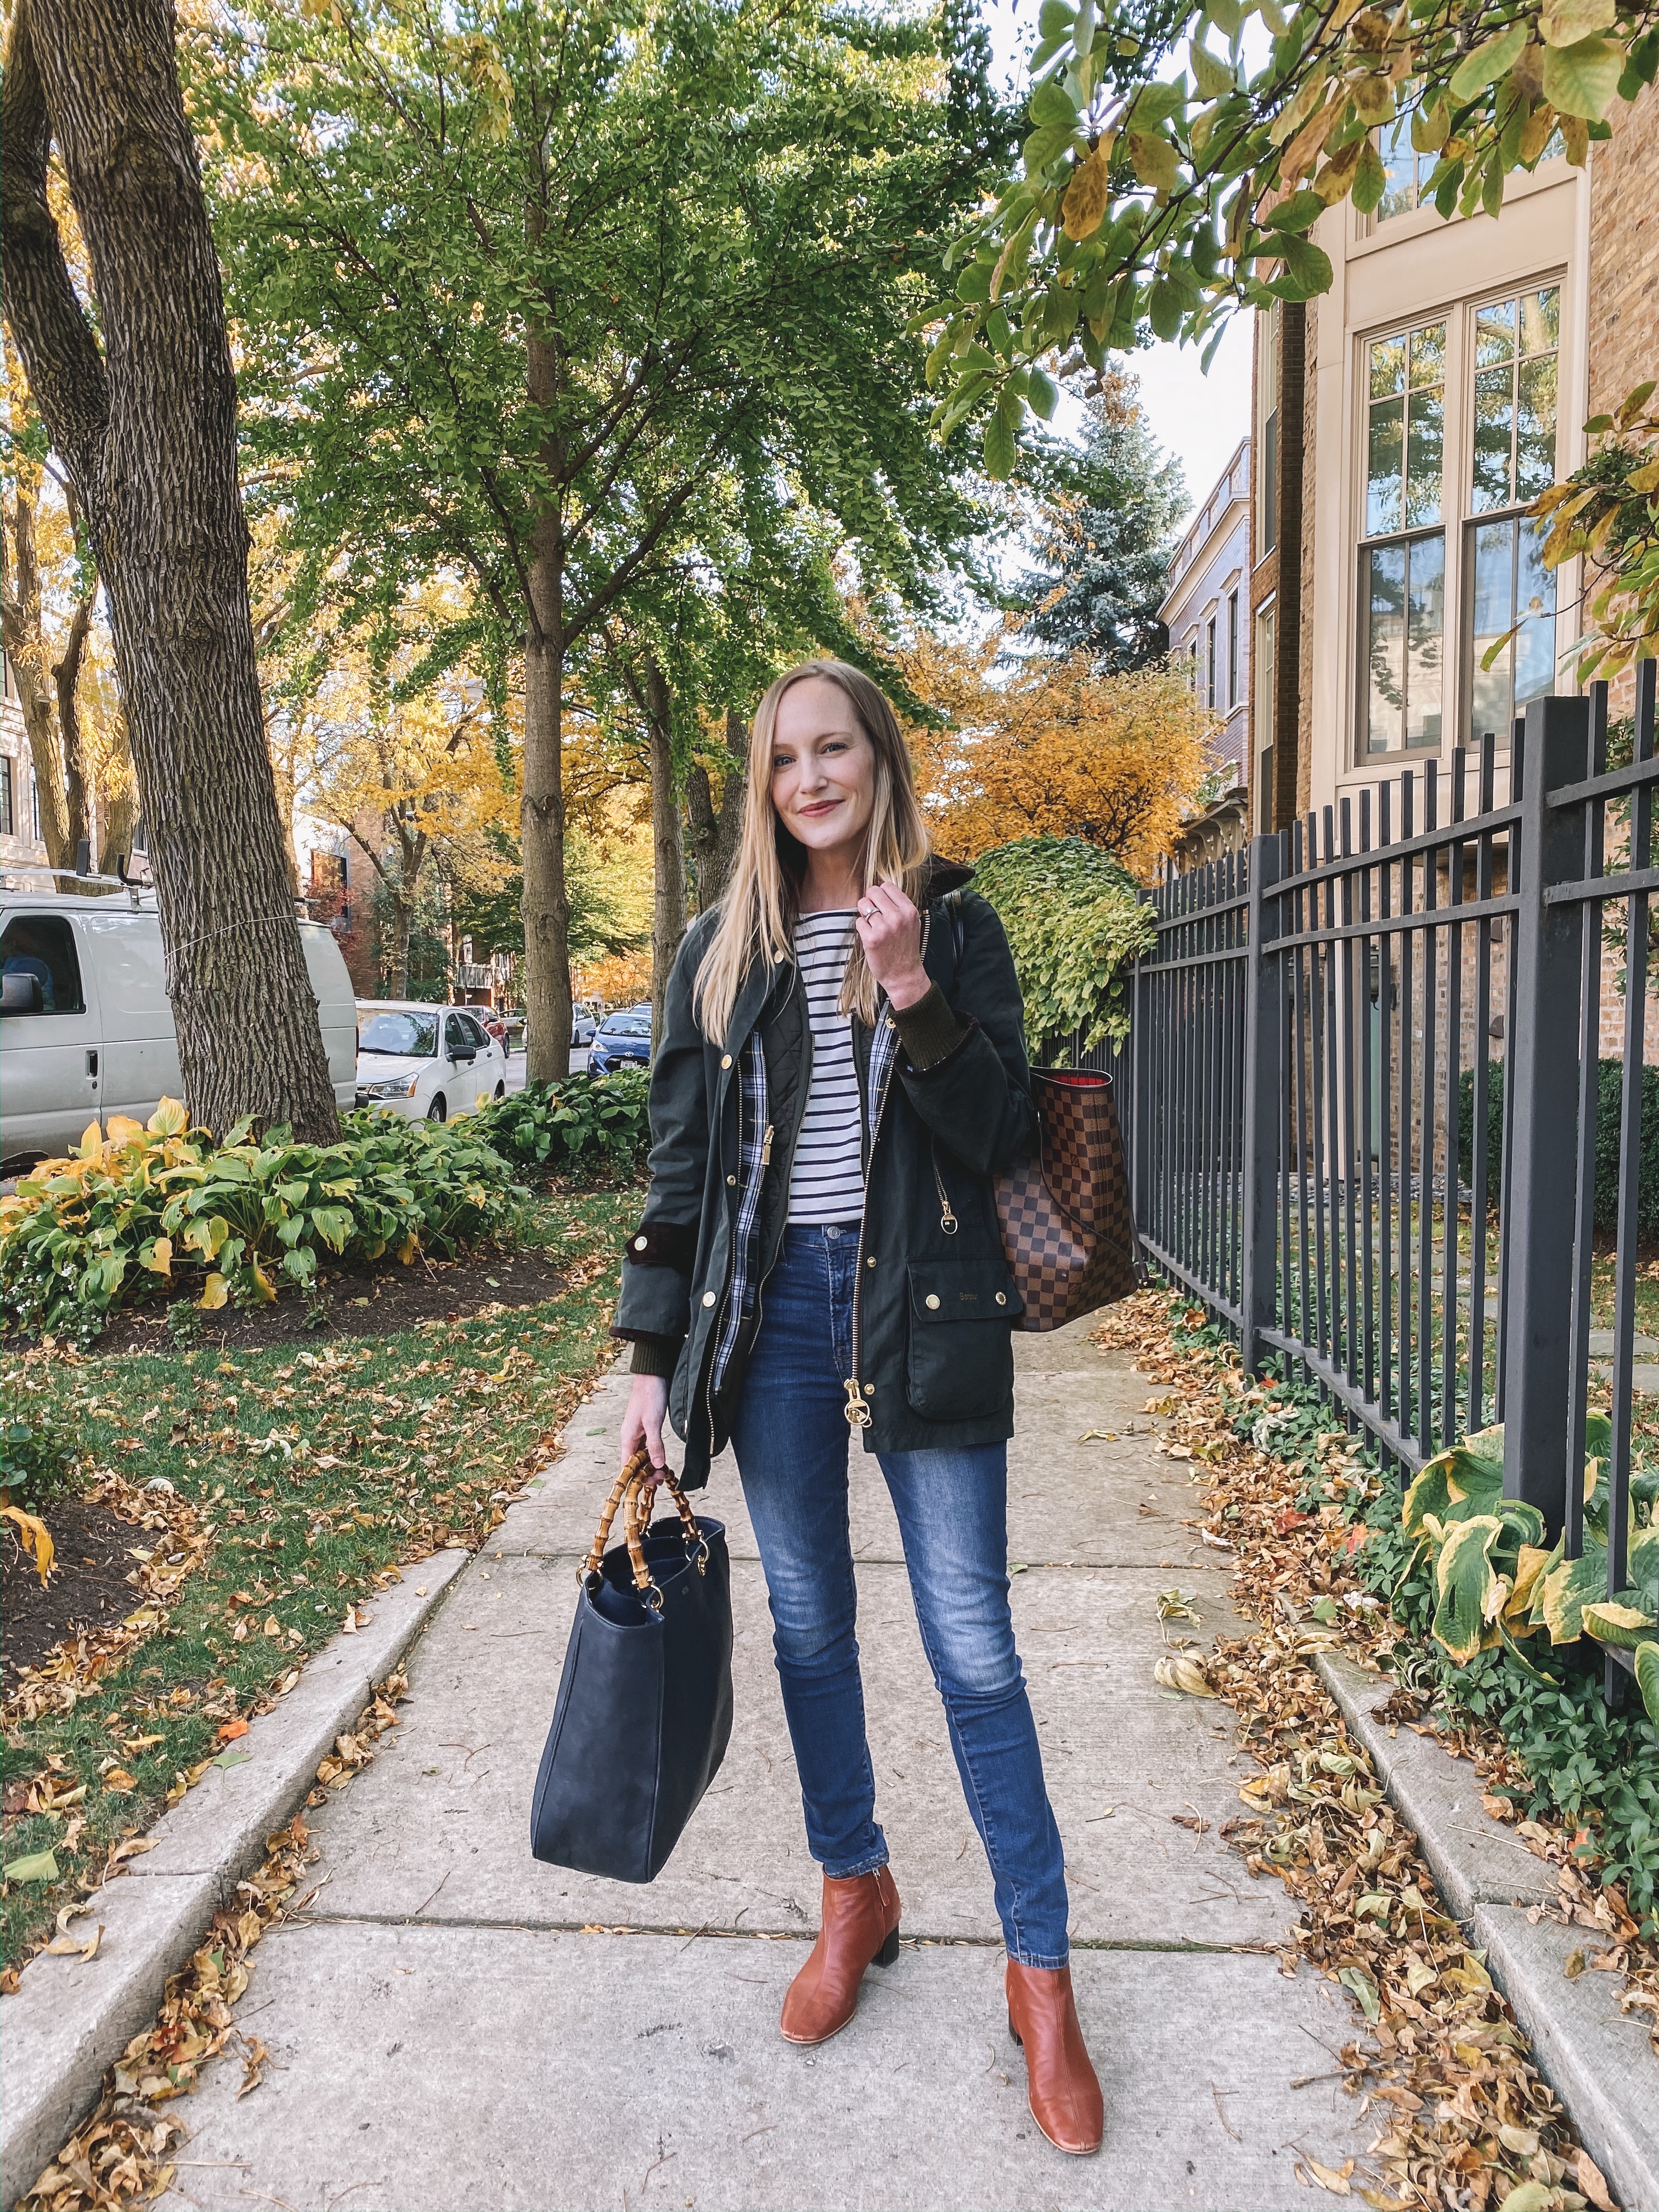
x: 889, y: 930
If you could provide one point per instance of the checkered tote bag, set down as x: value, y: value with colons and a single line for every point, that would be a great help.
x: 1068, y: 1225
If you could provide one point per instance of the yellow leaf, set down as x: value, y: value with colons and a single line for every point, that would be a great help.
x: 160, y: 1262
x: 214, y: 1291
x: 1087, y: 195
x: 33, y: 1535
x: 91, y: 1141
x: 264, y: 1289
x: 409, y: 1248
x: 122, y: 1128
x: 118, y: 1779
x: 169, y: 1119
x: 1179, y: 1670
x: 1154, y: 160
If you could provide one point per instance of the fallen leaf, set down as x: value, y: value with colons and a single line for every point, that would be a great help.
x: 231, y: 1730
x: 120, y: 1780
x: 232, y: 1759
x: 1179, y: 1670
x: 39, y: 1866
x: 1574, y: 1966
x: 349, y: 1626
x: 1335, y: 2178
x: 1588, y: 2177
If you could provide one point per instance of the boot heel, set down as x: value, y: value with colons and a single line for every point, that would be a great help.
x: 889, y: 1950
x: 1013, y: 2031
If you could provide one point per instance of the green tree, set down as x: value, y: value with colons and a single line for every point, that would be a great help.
x: 1172, y: 195
x: 517, y: 282
x: 1104, y: 541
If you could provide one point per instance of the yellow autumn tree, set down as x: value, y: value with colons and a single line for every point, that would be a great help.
x: 1049, y: 748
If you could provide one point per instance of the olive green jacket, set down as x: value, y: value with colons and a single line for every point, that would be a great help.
x: 935, y: 1303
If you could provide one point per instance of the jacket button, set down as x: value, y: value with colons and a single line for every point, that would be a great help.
x: 1002, y: 1299
x: 640, y: 1244
x: 709, y: 1297
x: 871, y: 1262
x: 730, y: 1178
x: 932, y: 1299
x: 869, y: 1389
x: 726, y: 1059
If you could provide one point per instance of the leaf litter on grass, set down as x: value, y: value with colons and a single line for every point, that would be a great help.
x: 1466, y: 2120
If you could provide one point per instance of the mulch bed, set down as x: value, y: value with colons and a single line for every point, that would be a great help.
x: 88, y: 1587
x: 369, y: 1301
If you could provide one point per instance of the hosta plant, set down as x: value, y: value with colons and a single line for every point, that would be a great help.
x: 151, y: 1210
x: 1496, y: 1580
x: 581, y: 1121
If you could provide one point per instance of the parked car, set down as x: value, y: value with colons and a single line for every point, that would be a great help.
x: 86, y: 1028
x: 621, y: 1037
x: 425, y: 1062
x: 581, y: 1029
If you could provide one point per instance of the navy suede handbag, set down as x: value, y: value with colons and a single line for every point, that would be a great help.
x: 644, y: 1710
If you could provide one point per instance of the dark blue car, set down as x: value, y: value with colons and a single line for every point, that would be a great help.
x: 623, y: 1037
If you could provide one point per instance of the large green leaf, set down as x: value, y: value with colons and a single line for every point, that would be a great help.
x: 1469, y: 1592
x: 1647, y: 1678
x: 1623, y: 1622
x: 1467, y: 1478
x: 1568, y: 1588
x: 1584, y: 79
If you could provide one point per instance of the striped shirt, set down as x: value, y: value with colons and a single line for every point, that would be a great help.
x: 826, y: 1182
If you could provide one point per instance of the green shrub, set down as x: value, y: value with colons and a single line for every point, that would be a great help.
x: 147, y: 1212
x: 1610, y: 1096
x: 1075, y: 926
x: 37, y: 1460
x: 585, y: 1121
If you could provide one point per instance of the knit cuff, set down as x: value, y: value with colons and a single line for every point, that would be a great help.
x: 654, y: 1355
x: 930, y: 1032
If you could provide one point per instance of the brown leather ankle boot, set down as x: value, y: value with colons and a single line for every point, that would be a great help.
x: 861, y: 1928
x: 1064, y: 2088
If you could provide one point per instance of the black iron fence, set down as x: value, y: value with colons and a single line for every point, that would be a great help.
x: 1360, y: 1094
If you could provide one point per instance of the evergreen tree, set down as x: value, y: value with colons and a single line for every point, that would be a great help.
x: 1105, y: 541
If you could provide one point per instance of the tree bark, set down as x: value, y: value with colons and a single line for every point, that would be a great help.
x: 546, y: 905
x: 146, y: 429
x: 20, y: 620
x: 118, y: 813
x: 668, y: 916
x: 712, y: 844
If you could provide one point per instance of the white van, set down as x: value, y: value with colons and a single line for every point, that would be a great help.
x: 86, y: 1030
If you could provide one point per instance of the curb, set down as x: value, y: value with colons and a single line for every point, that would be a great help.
x: 1595, y: 2058
x: 69, y: 2022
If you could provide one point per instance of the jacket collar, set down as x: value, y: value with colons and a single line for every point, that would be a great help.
x: 942, y: 876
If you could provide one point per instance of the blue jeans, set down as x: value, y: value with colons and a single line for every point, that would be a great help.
x: 791, y: 1439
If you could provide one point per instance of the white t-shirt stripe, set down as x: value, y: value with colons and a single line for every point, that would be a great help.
x: 826, y: 1182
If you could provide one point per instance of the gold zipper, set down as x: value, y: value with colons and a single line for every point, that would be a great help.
x: 947, y: 1220
x: 856, y: 1410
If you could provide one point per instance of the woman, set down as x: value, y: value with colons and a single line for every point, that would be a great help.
x: 841, y: 1072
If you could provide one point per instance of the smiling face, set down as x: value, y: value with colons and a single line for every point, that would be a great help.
x: 823, y: 769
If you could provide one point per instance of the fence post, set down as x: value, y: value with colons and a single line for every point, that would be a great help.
x: 1140, y: 1076
x: 1258, y: 1281
x: 1542, y: 1074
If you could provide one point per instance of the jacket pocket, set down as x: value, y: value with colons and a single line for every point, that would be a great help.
x: 961, y: 1361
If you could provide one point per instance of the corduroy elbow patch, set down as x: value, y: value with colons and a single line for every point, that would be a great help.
x: 664, y: 1244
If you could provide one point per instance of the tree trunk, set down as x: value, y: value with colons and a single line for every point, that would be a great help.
x: 20, y: 619
x: 668, y: 917
x: 712, y: 843
x: 147, y: 433
x: 546, y: 904
x: 403, y: 908
x: 119, y: 814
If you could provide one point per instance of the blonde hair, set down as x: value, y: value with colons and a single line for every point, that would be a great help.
x: 761, y: 901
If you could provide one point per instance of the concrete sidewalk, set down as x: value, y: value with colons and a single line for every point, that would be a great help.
x: 456, y: 2028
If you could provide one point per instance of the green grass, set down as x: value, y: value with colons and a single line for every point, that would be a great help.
x: 420, y: 1428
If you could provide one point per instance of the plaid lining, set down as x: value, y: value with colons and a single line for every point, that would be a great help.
x: 741, y: 1294
x: 883, y: 1051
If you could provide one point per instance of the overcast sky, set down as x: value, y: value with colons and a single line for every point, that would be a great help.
x: 1200, y: 419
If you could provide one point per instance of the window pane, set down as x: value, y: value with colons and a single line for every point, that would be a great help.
x: 1493, y: 411
x: 1541, y: 320
x: 1534, y: 647
x: 1385, y: 646
x: 1425, y: 619
x: 1388, y: 366
x: 1535, y: 443
x: 1399, y: 165
x: 1382, y: 466
x: 1493, y: 602
x: 1494, y: 333
x: 1429, y: 354
x: 42, y: 945
x: 1424, y: 453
